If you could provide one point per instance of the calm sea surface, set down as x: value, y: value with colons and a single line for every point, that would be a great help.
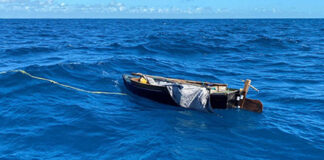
x: 283, y: 58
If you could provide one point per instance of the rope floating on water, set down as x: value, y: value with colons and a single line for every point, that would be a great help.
x: 64, y: 85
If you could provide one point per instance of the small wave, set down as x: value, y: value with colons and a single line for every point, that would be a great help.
x: 115, y: 45
x: 305, y: 48
x: 278, y: 64
x: 153, y: 37
x: 48, y: 35
x: 28, y: 50
x: 102, y: 49
x: 302, y: 81
x: 220, y: 72
x: 51, y: 59
x: 268, y: 42
x: 218, y: 41
x: 141, y: 49
x: 308, y: 102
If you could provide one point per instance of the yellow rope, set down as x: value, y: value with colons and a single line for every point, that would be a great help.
x: 64, y: 85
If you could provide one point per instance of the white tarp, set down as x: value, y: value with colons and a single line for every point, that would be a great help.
x: 189, y: 96
x: 157, y: 83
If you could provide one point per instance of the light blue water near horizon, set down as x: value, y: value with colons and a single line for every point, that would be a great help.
x: 39, y: 120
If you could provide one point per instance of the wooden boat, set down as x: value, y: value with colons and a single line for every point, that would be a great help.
x: 221, y: 97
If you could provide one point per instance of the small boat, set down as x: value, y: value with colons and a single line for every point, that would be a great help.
x: 220, y: 96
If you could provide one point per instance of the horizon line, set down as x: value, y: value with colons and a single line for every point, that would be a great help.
x: 170, y: 18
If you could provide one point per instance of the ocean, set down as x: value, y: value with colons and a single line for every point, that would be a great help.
x: 284, y: 58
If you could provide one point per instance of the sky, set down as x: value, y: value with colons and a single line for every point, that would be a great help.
x: 161, y: 8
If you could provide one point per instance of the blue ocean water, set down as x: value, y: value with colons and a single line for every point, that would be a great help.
x: 39, y: 120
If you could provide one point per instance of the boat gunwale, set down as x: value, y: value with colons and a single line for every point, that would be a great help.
x: 139, y: 85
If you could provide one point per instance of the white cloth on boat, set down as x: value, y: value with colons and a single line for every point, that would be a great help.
x: 190, y: 96
x: 157, y: 83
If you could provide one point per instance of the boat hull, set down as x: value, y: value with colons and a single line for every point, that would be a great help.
x: 161, y: 94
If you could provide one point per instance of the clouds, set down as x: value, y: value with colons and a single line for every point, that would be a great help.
x: 31, y: 6
x: 171, y: 10
x: 54, y: 8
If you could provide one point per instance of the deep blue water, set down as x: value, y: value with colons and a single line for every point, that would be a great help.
x: 283, y: 58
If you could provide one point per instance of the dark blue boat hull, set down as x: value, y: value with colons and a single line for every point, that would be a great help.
x: 161, y: 94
